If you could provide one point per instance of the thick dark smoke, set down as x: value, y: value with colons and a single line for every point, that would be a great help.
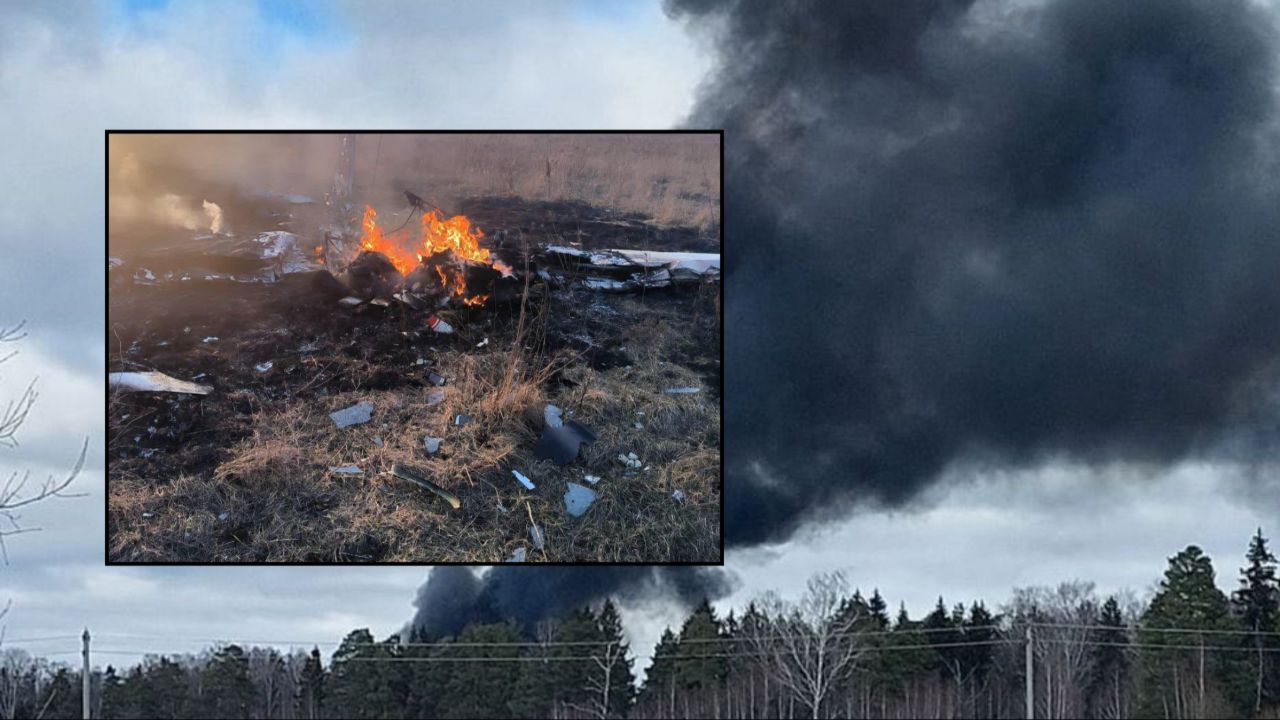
x: 454, y: 596
x: 999, y: 232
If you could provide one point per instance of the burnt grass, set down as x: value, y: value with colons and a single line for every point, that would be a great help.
x: 243, y: 474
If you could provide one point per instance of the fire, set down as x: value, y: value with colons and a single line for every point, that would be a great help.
x: 437, y: 234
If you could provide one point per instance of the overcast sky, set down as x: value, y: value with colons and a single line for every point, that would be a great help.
x: 68, y: 71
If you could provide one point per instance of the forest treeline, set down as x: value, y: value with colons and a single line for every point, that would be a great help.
x: 1188, y: 651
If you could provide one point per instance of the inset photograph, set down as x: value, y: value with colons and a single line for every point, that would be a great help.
x: 414, y: 347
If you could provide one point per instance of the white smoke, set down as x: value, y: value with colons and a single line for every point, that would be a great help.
x: 215, y: 216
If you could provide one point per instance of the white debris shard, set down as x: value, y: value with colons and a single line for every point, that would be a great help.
x: 354, y: 415
x: 154, y: 382
x: 678, y: 495
x: 517, y: 556
x: 551, y: 416
x: 682, y: 391
x: 439, y: 325
x: 211, y: 338
x: 630, y: 460
x: 350, y: 301
x: 577, y: 499
x: 433, y: 444
x: 539, y: 539
x: 264, y: 366
x: 482, y: 343
x: 593, y: 479
x: 523, y: 480
x: 346, y: 470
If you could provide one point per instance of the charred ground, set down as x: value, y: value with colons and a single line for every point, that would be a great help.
x: 243, y: 474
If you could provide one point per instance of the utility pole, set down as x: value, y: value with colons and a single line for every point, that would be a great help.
x: 85, y: 677
x: 1031, y: 696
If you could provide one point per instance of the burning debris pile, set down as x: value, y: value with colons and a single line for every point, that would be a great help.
x: 438, y: 263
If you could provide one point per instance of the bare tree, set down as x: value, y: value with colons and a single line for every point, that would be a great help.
x: 17, y: 492
x: 607, y: 659
x: 809, y: 645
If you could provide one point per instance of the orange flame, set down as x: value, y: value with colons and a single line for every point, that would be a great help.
x: 437, y: 235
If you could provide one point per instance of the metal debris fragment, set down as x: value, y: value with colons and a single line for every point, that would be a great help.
x: 377, y: 440
x: 593, y: 479
x: 154, y: 382
x: 523, y: 480
x: 346, y: 470
x: 539, y: 539
x: 436, y: 379
x: 434, y: 398
x: 439, y: 325
x: 461, y: 419
x: 263, y: 367
x: 551, y: 416
x: 682, y: 391
x: 211, y: 338
x: 630, y: 460
x: 577, y: 498
x: 350, y: 301
x: 408, y: 474
x: 517, y: 556
x: 432, y: 444
x: 678, y: 495
x: 354, y: 415
x: 481, y: 344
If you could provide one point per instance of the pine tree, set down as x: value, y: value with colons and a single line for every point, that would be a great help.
x: 312, y: 700
x: 115, y: 701
x: 879, y: 610
x: 1109, y: 663
x: 613, y: 661
x: 660, y: 680
x: 698, y: 666
x: 226, y: 691
x: 353, y: 679
x: 60, y: 698
x: 1187, y: 598
x: 1257, y: 604
x: 481, y: 689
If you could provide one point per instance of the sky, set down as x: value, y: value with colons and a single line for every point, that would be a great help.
x: 72, y: 70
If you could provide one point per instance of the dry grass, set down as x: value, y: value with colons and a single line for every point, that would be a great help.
x: 272, y: 497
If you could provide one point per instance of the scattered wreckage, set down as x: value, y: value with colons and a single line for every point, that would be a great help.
x: 441, y: 268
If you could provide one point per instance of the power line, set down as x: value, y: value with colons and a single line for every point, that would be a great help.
x: 1142, y: 628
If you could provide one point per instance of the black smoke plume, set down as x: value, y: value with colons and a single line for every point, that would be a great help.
x: 455, y: 596
x: 997, y: 232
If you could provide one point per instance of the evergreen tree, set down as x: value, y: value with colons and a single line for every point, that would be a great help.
x: 226, y: 691
x: 615, y: 655
x: 879, y: 610
x: 480, y: 682
x: 60, y: 697
x: 1109, y: 665
x: 312, y: 700
x: 698, y: 665
x: 1257, y: 605
x: 1187, y: 598
x: 160, y: 689
x: 352, y: 678
x: 115, y: 701
x: 660, y: 680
